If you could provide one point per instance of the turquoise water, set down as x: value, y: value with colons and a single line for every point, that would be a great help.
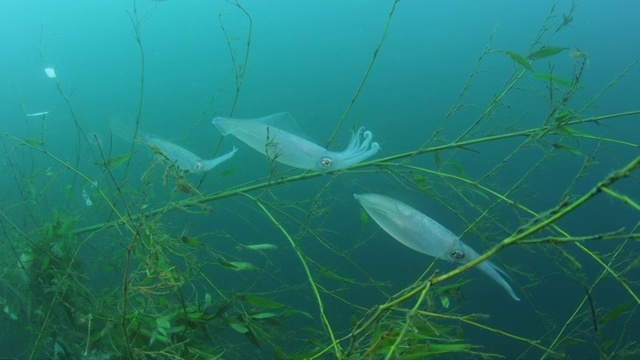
x: 474, y: 131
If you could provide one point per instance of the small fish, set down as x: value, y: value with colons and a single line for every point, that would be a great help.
x: 43, y: 113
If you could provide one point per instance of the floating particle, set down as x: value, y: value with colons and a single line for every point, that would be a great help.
x: 50, y: 72
x: 43, y: 113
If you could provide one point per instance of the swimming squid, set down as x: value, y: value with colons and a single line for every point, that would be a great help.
x: 182, y: 158
x: 423, y: 234
x: 269, y: 136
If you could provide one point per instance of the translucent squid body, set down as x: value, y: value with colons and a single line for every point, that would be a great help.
x: 423, y: 234
x: 182, y: 158
x: 267, y: 135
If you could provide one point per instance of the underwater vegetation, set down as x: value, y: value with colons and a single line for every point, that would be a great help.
x: 141, y: 249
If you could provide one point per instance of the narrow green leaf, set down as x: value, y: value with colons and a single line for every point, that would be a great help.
x: 44, y: 264
x: 190, y: 241
x: 152, y: 339
x: 436, y: 158
x: 453, y: 288
x: 225, y: 263
x: 572, y: 132
x: 332, y: 275
x: 567, y: 148
x: 364, y: 217
x: 549, y: 77
x: 259, y: 301
x: 13, y: 316
x: 228, y: 171
x: 64, y: 227
x: 33, y: 192
x: 194, y: 315
x: 520, y: 60
x: 432, y: 349
x: 561, y: 116
x: 480, y: 193
x: 118, y: 160
x: 569, y: 341
x: 546, y: 51
x: 238, y: 327
x: 176, y: 329
x: 354, y: 320
x: 265, y: 315
x: 260, y: 247
x: 33, y: 142
x: 607, y: 345
x: 295, y: 312
x: 163, y: 322
x: 617, y: 311
x: 444, y: 300
x: 237, y: 265
x: 457, y: 168
x: 222, y: 309
x: 205, y: 354
x: 419, y: 181
x: 251, y: 336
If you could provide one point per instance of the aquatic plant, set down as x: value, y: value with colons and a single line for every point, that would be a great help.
x: 163, y: 264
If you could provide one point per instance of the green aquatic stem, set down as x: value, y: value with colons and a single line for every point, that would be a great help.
x: 136, y: 21
x: 556, y: 214
x: 468, y: 320
x: 365, y: 77
x: 57, y: 297
x: 409, y: 316
x: 304, y: 225
x: 623, y: 198
x: 614, y: 235
x: 80, y: 134
x: 125, y: 292
x: 576, y: 312
x: 312, y: 282
x: 457, y: 104
x: 365, y: 324
x: 239, y: 70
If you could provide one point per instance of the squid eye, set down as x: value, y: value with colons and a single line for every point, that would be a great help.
x: 326, y: 162
x: 198, y: 166
x: 457, y: 254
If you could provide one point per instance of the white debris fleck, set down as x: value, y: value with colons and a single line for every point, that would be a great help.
x: 50, y: 72
x: 43, y: 113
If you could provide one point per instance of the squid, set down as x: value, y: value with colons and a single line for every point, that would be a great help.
x: 182, y: 158
x: 423, y: 234
x: 271, y: 136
